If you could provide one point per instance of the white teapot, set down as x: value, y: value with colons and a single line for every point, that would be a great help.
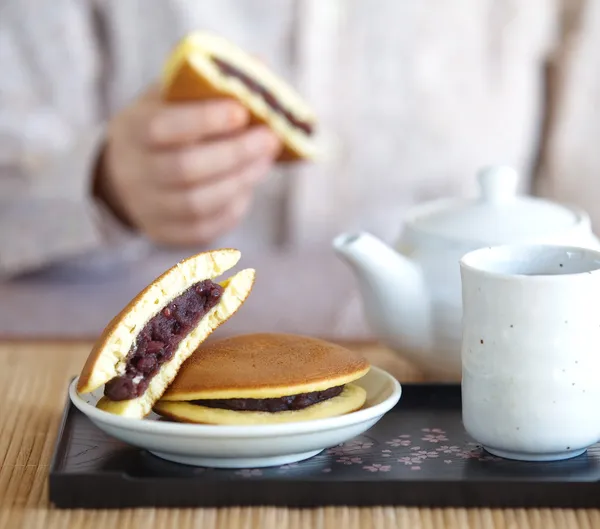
x: 412, y: 296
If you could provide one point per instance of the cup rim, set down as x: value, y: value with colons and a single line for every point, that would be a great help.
x: 468, y: 261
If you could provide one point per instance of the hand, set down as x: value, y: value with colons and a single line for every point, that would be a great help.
x: 183, y: 174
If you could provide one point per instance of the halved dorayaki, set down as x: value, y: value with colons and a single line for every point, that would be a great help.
x: 142, y: 348
x: 206, y: 66
x: 265, y: 378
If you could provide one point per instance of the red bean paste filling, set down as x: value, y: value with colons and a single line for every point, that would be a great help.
x: 293, y: 402
x: 270, y: 99
x: 158, y: 340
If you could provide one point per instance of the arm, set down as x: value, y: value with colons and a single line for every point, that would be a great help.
x: 51, y: 130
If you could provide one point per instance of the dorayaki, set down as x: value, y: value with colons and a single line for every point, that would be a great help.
x: 207, y: 66
x: 142, y: 348
x: 265, y: 378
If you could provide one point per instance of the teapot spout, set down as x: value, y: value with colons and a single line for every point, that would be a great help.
x: 395, y: 298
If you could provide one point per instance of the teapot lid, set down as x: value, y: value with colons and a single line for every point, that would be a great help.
x: 498, y: 215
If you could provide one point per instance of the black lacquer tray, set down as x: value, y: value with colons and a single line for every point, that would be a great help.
x: 418, y: 454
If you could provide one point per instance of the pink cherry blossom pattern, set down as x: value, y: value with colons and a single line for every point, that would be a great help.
x: 326, y: 470
x: 349, y: 448
x: 409, y: 460
x: 467, y: 454
x: 448, y: 461
x: 348, y: 460
x: 415, y: 468
x: 445, y: 449
x: 398, y: 442
x: 359, y: 445
x: 425, y: 454
x: 433, y: 430
x: 434, y: 438
x: 376, y: 467
x: 336, y: 451
x: 386, y: 453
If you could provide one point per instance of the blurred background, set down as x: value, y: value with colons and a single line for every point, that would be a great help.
x: 103, y: 185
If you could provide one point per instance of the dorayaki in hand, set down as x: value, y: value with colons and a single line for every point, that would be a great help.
x: 207, y: 66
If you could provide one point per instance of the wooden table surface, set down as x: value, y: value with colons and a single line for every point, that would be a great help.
x: 33, y: 383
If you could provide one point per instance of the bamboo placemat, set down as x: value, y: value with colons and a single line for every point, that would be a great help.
x: 33, y: 383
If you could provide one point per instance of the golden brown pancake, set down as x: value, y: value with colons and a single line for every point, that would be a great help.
x: 181, y: 307
x: 207, y: 66
x: 264, y: 365
x: 265, y: 378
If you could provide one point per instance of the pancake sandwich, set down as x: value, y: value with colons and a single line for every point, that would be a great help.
x: 141, y: 350
x: 265, y: 379
x: 206, y: 66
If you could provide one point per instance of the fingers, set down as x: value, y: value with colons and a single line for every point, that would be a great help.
x: 185, y: 173
x: 193, y: 165
x: 207, y: 200
x: 202, y: 231
x: 176, y: 124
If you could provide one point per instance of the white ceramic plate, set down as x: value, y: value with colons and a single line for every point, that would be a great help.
x: 244, y: 446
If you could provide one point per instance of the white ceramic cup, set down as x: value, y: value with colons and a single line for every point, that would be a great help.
x: 531, y: 350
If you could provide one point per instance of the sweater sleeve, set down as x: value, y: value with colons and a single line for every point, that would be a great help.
x: 570, y: 151
x: 51, y: 133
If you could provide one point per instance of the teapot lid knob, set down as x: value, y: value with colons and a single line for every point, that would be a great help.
x: 498, y: 183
